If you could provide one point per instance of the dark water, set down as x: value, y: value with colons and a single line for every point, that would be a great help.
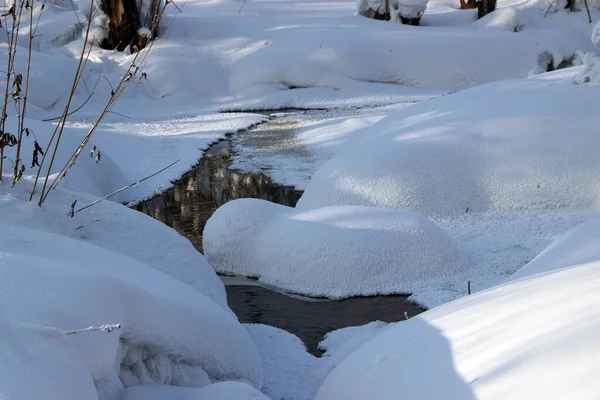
x: 311, y: 320
x: 193, y: 200
x: 195, y: 197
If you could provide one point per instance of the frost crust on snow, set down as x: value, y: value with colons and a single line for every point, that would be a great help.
x: 331, y: 251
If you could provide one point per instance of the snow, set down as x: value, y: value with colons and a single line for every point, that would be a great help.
x: 501, y: 343
x: 533, y: 159
x: 577, y: 246
x: 397, y: 8
x: 289, y: 369
x: 217, y: 391
x: 171, y: 333
x: 86, y: 285
x: 504, y: 146
x: 332, y: 251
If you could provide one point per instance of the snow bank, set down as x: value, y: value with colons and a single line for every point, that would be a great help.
x: 185, y: 339
x: 217, y: 391
x: 578, y: 246
x: 498, y: 147
x: 39, y: 363
x: 332, y: 251
x: 288, y: 367
x: 502, y: 343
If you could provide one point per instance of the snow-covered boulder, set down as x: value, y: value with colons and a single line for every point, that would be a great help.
x: 580, y: 245
x: 170, y: 333
x: 498, y: 147
x: 535, y: 338
x: 332, y: 251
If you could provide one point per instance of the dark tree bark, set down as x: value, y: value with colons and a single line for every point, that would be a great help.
x: 124, y: 22
x: 484, y: 7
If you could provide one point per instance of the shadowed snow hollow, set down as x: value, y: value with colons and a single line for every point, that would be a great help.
x: 536, y: 338
x: 499, y: 147
x: 332, y: 251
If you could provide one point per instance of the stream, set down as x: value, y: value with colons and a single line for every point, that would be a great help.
x: 195, y: 197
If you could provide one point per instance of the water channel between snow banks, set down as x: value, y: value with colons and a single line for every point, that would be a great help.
x: 195, y: 197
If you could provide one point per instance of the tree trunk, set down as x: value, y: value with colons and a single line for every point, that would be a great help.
x: 124, y: 22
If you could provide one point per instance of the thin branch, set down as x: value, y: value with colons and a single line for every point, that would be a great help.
x: 123, y: 188
x: 78, y: 108
x: 243, y: 4
x: 549, y: 8
x: 145, y: 198
x: 60, y: 126
x: 588, y: 10
x: 94, y: 221
x: 104, y: 328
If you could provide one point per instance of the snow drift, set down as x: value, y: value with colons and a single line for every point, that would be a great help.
x: 170, y: 333
x: 499, y: 147
x: 533, y: 338
x: 332, y: 251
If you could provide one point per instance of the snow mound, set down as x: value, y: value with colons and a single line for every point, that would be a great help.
x: 170, y: 333
x: 580, y: 245
x: 332, y: 251
x: 502, y: 343
x: 217, y: 391
x: 499, y: 147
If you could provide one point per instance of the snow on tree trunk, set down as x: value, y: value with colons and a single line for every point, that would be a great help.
x: 120, y: 24
x: 123, y: 25
x: 408, y: 12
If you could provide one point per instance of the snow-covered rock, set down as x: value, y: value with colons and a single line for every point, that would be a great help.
x: 332, y: 251
x: 504, y: 146
x: 537, y: 337
x: 580, y: 245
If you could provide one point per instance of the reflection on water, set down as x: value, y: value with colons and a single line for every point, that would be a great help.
x: 194, y: 198
x: 311, y: 320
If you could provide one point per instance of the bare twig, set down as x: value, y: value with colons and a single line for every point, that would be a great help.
x: 12, y: 39
x: 104, y: 328
x: 549, y: 8
x: 588, y: 11
x: 94, y: 221
x: 126, y: 79
x: 124, y: 188
x: 61, y: 124
x: 145, y: 198
x: 78, y: 108
x: 243, y: 4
